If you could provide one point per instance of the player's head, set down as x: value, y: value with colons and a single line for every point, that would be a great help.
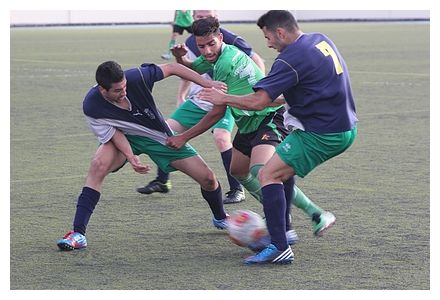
x: 111, y: 81
x: 209, y: 39
x: 202, y: 14
x: 278, y: 26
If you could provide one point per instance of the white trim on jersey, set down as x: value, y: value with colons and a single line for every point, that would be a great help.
x: 104, y: 129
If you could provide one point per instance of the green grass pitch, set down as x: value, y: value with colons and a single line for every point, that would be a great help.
x: 378, y: 189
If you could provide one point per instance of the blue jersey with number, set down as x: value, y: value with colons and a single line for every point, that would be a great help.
x: 141, y: 118
x: 314, y: 80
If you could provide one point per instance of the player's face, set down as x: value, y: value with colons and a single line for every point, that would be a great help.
x: 210, y: 46
x: 273, y: 40
x: 203, y: 14
x: 117, y: 92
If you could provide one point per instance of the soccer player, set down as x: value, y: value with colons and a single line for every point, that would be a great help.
x: 182, y: 21
x: 121, y: 112
x: 190, y: 112
x: 313, y: 78
x: 258, y: 131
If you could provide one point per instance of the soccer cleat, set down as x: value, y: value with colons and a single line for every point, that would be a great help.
x: 72, y: 240
x: 166, y: 56
x: 155, y: 186
x: 220, y: 224
x: 271, y: 255
x: 322, y: 222
x: 263, y: 242
x: 234, y: 196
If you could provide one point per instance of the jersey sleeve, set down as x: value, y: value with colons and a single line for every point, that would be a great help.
x: 102, y: 131
x: 231, y: 38
x: 151, y: 73
x: 281, y: 77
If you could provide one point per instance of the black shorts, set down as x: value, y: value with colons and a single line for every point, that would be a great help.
x: 270, y: 132
x: 179, y: 30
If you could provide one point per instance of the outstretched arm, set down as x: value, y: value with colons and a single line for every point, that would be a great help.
x: 255, y: 101
x: 188, y: 74
x: 212, y: 117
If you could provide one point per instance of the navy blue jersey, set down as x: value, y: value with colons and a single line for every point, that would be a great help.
x: 142, y: 118
x: 229, y: 38
x: 314, y: 80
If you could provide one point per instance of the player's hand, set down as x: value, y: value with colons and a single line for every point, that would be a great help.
x: 219, y: 85
x: 138, y: 166
x: 176, y: 141
x: 213, y: 95
x: 179, y: 50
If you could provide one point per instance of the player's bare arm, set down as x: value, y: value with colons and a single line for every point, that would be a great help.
x: 205, y: 124
x: 256, y: 101
x: 188, y: 74
x: 122, y: 144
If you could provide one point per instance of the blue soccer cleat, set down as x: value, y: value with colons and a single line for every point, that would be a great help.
x: 271, y: 255
x: 220, y: 224
x: 72, y: 240
x: 263, y: 242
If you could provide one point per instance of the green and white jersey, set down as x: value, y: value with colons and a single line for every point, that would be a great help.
x: 183, y: 18
x: 240, y: 73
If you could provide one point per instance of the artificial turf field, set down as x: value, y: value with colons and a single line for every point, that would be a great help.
x: 378, y: 189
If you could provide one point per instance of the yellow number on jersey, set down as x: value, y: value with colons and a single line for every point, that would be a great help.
x: 327, y: 50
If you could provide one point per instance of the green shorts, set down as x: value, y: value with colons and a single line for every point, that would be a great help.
x: 304, y: 151
x: 160, y: 154
x: 188, y: 114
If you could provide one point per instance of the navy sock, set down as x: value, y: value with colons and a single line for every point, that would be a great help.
x: 215, y: 201
x: 87, y: 201
x: 274, y: 206
x: 162, y: 176
x: 288, y: 192
x: 234, y: 184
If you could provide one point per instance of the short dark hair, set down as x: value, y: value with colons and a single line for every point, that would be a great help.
x: 107, y: 73
x: 206, y: 26
x: 274, y: 19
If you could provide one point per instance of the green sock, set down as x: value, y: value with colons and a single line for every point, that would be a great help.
x: 303, y: 202
x: 171, y: 45
x: 251, y: 183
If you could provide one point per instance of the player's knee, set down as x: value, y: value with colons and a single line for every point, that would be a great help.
x: 209, y: 182
x: 99, y: 167
x: 237, y: 172
x: 264, y: 177
x: 222, y: 139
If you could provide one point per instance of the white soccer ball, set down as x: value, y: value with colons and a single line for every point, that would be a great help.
x: 245, y: 227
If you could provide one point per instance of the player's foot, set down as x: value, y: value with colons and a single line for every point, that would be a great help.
x: 220, y: 224
x: 234, y: 196
x: 271, y: 255
x: 155, y: 186
x: 322, y: 222
x: 166, y: 56
x: 257, y: 246
x: 72, y: 240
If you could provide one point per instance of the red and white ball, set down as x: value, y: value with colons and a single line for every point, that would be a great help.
x: 246, y: 227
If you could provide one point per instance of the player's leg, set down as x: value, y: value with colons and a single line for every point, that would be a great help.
x: 106, y: 159
x: 222, y: 138
x: 272, y: 176
x: 162, y: 183
x: 189, y: 162
x: 177, y: 30
x: 211, y: 190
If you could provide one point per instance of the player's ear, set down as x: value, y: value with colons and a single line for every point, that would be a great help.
x: 220, y: 37
x: 281, y: 33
